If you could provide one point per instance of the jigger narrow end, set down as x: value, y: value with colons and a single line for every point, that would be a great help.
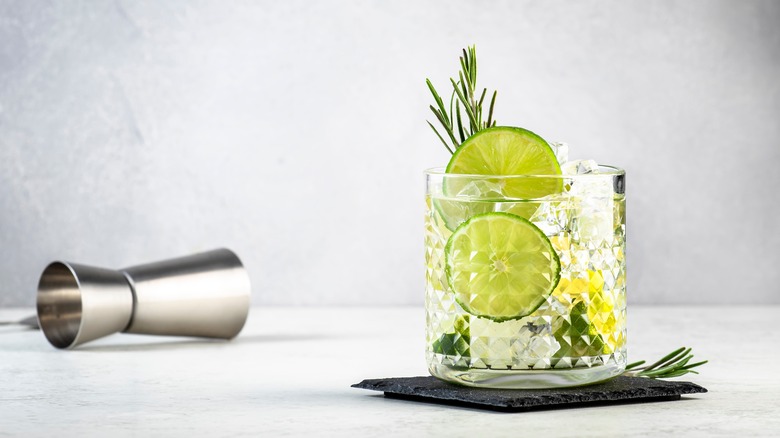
x: 78, y: 303
x: 59, y: 304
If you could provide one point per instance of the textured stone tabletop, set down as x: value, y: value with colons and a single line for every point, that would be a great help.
x: 290, y: 371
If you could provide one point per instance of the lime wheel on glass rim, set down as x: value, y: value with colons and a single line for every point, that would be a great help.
x: 500, y: 151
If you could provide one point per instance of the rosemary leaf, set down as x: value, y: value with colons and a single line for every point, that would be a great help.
x: 479, y: 108
x: 693, y: 365
x: 682, y: 356
x: 446, y: 124
x: 462, y: 82
x: 666, y: 358
x: 459, y: 121
x: 438, y: 100
x: 678, y: 374
x: 634, y: 365
x: 463, y: 95
x: 490, y: 112
x: 464, y: 64
x: 452, y: 100
x: 473, y: 66
x: 674, y: 364
x: 666, y: 369
x: 440, y: 137
x: 466, y: 107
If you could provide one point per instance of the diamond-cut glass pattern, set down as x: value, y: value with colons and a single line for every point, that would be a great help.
x: 581, y: 324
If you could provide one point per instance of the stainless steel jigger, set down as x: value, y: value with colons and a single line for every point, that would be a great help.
x: 204, y: 295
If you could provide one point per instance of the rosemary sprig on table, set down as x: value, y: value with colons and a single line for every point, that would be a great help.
x: 674, y: 364
x: 463, y: 96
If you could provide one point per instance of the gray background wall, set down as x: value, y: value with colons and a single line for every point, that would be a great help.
x: 294, y: 132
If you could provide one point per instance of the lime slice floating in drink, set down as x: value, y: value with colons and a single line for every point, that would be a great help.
x: 500, y: 266
x: 499, y: 151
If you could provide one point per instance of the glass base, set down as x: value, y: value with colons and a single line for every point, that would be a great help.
x: 525, y: 379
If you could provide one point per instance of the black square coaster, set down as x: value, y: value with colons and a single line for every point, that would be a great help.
x: 615, y: 391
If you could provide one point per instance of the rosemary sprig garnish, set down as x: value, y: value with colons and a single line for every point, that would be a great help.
x: 464, y: 96
x: 673, y: 364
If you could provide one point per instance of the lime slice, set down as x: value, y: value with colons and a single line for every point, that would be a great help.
x: 505, y: 151
x: 500, y: 266
x: 498, y: 151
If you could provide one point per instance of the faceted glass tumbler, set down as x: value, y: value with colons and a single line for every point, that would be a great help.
x: 577, y: 335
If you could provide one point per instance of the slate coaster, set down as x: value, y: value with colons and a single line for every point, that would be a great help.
x: 615, y: 391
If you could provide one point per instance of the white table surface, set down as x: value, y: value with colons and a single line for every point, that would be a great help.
x: 290, y: 370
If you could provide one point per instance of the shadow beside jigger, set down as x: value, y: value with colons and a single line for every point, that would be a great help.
x: 204, y: 295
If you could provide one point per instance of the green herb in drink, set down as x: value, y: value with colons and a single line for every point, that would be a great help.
x: 464, y: 97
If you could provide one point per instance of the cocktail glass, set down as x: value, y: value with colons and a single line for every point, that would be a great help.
x: 577, y: 334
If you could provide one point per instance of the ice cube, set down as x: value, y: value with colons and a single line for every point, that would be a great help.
x: 491, y: 342
x: 550, y: 216
x: 579, y: 167
x: 535, y: 342
x: 561, y: 151
x: 592, y: 203
x: 532, y: 345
